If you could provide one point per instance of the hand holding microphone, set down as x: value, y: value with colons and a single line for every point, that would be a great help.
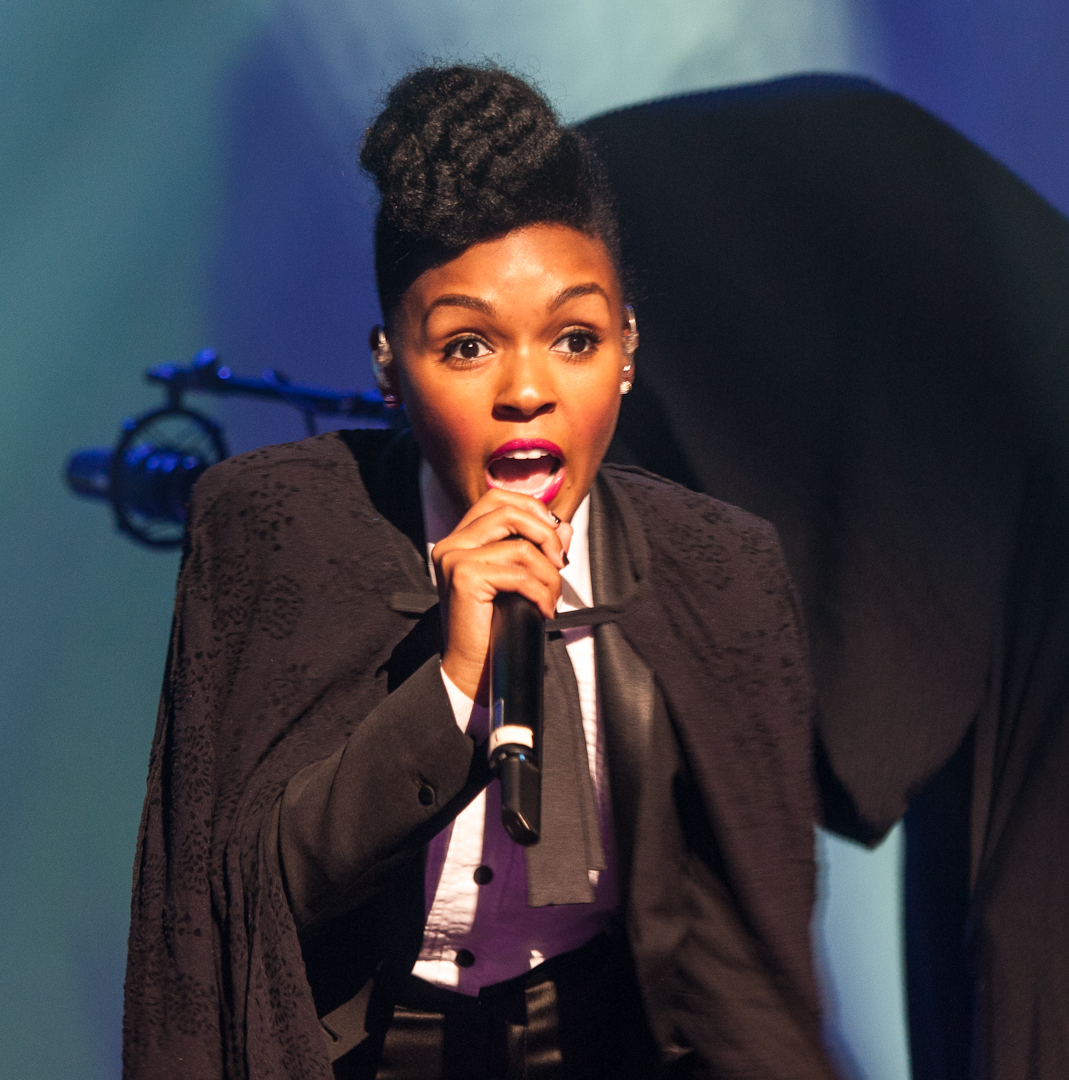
x: 498, y: 578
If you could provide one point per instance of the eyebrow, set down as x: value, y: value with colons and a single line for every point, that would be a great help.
x: 573, y: 292
x: 460, y: 300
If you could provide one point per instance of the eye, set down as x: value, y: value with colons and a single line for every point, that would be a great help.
x: 467, y: 348
x: 576, y: 343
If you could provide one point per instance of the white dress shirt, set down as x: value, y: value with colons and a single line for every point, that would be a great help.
x: 480, y: 931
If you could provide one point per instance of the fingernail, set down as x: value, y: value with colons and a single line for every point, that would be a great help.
x: 564, y: 556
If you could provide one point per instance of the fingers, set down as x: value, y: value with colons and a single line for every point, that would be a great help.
x: 510, y: 565
x: 495, y: 497
x: 503, y: 519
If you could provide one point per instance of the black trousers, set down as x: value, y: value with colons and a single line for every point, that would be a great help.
x: 578, y: 1016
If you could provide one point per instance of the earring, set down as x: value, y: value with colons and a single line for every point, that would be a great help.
x: 625, y: 386
x: 381, y: 359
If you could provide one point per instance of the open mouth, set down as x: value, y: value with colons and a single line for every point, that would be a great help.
x: 532, y: 467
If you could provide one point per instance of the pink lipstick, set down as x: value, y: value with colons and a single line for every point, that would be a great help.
x: 532, y: 467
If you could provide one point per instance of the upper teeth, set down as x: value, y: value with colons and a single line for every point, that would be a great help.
x: 525, y: 455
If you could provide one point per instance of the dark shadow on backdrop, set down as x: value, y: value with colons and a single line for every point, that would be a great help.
x: 856, y: 324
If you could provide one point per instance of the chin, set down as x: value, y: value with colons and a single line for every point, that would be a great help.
x: 566, y: 502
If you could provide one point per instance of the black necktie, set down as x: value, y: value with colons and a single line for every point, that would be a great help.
x: 570, y: 844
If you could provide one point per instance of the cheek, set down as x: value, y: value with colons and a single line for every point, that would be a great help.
x: 447, y: 432
x: 595, y: 420
x: 448, y: 427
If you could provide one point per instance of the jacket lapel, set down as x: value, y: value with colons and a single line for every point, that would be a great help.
x: 626, y: 692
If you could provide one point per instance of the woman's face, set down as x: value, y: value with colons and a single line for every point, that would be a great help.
x: 509, y: 361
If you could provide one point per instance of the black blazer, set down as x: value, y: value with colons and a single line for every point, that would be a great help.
x: 307, y: 752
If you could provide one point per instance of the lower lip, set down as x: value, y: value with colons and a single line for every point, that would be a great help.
x: 550, y: 493
x: 547, y: 496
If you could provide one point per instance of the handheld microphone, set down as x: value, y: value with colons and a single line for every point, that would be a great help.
x: 517, y: 659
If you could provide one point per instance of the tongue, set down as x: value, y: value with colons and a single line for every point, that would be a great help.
x: 528, y: 477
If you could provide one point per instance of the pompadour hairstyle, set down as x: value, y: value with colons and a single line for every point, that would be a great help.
x: 467, y: 153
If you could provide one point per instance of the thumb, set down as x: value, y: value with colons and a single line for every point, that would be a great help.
x: 564, y: 531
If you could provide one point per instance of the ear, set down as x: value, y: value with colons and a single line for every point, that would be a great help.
x: 630, y: 330
x: 630, y: 345
x: 382, y: 366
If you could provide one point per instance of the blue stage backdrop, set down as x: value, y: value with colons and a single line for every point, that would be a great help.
x: 183, y: 175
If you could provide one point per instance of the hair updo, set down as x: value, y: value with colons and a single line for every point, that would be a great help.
x: 468, y: 153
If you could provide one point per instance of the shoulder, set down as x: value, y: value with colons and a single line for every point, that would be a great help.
x: 308, y: 493
x: 665, y: 506
x: 700, y: 546
x: 333, y: 454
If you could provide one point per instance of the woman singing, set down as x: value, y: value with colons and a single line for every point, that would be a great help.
x: 323, y: 885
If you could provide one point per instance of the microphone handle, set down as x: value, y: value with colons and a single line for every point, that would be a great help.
x: 517, y: 661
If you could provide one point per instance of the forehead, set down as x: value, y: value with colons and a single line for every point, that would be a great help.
x: 529, y: 265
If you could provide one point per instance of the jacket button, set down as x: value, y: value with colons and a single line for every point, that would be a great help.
x: 483, y: 875
x: 426, y: 795
x: 465, y: 958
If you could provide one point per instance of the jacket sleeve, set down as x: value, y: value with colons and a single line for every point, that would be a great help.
x: 293, y: 685
x: 402, y: 776
x: 717, y: 1007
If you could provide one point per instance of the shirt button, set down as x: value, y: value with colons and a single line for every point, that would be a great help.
x: 465, y: 958
x: 483, y: 875
x: 426, y: 795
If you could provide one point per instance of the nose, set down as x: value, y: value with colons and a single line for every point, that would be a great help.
x: 526, y: 389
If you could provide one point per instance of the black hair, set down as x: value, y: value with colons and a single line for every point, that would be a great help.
x: 467, y: 153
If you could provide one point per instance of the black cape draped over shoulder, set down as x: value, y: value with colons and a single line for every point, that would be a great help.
x: 284, y: 636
